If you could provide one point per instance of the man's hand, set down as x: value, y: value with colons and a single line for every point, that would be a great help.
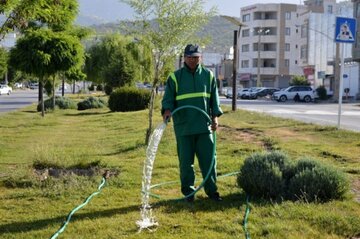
x: 214, y: 124
x: 167, y: 116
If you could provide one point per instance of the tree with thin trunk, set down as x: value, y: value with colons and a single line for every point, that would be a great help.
x: 44, y: 53
x: 168, y: 25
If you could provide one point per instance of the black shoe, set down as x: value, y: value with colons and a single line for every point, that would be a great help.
x: 216, y: 197
x: 190, y: 199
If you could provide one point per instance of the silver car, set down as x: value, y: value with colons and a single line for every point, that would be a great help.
x: 301, y: 93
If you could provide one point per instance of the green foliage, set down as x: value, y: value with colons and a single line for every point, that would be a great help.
x: 262, y: 174
x: 117, y: 61
x: 3, y: 61
x: 99, y: 87
x: 33, y: 14
x: 44, y: 52
x: 129, y: 99
x: 60, y: 102
x: 272, y: 175
x: 316, y: 182
x: 91, y: 103
x: 108, y: 89
x: 299, y: 80
x: 322, y: 93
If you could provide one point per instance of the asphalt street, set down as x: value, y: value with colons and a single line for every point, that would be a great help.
x: 17, y: 99
x: 316, y: 113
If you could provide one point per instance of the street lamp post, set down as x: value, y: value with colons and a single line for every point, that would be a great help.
x: 236, y: 35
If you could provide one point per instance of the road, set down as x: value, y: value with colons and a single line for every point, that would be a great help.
x: 317, y: 113
x: 17, y: 99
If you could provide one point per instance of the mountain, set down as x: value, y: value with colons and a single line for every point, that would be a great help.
x: 219, y: 30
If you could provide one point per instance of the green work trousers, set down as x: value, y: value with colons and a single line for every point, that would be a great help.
x: 202, y: 146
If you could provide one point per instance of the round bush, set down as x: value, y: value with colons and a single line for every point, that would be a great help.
x: 60, y: 102
x: 262, y: 174
x: 129, y: 99
x: 315, y: 182
x: 91, y: 103
x: 322, y: 92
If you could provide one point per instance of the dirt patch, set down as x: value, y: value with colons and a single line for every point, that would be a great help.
x: 43, y: 174
x: 244, y: 134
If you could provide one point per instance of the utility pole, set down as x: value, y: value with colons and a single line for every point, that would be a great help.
x: 234, y: 91
x: 236, y: 36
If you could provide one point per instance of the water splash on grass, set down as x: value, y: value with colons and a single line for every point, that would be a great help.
x: 147, y: 219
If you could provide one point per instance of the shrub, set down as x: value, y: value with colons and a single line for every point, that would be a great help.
x: 99, y: 87
x: 108, y: 89
x: 60, y: 102
x: 129, y: 99
x: 91, y: 103
x: 316, y: 182
x: 272, y: 175
x: 322, y: 93
x: 91, y: 87
x: 262, y: 174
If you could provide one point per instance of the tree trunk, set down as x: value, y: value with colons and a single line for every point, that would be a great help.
x: 63, y: 87
x: 151, y: 111
x: 53, y: 92
x: 41, y: 96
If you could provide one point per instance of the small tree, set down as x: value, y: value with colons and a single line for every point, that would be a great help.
x: 44, y: 53
x: 299, y: 80
x: 168, y: 25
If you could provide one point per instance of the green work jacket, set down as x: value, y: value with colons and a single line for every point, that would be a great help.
x: 197, y: 89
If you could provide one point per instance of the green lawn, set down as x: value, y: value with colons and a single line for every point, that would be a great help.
x: 34, y: 207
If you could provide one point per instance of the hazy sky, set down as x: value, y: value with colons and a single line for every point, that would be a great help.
x: 114, y: 9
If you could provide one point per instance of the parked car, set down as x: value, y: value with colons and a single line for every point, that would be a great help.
x: 18, y: 85
x: 305, y: 93
x: 5, y: 89
x: 245, y: 93
x: 34, y: 85
x: 263, y: 92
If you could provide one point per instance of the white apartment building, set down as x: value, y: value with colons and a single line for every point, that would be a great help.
x: 288, y: 40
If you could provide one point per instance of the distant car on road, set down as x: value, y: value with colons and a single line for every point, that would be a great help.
x: 5, y: 89
x: 34, y: 86
x: 305, y: 93
x: 263, y: 92
x: 18, y: 85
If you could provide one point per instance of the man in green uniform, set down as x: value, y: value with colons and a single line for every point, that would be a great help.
x: 193, y: 85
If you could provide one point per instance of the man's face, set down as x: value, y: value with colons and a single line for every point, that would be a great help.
x: 192, y: 61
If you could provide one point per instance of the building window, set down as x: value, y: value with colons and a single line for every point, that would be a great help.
x: 287, y: 62
x: 246, y: 18
x: 245, y: 64
x: 330, y: 9
x: 287, y: 46
x: 246, y: 33
x: 287, y: 31
x: 295, y: 62
x: 303, y: 52
x: 245, y: 48
x: 287, y: 15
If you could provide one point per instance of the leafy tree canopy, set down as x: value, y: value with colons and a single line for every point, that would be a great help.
x: 44, y: 52
x: 299, y: 80
x: 24, y: 14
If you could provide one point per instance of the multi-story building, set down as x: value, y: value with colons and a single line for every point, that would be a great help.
x: 280, y: 41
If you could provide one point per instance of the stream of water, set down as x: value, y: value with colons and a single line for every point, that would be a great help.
x: 147, y: 219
